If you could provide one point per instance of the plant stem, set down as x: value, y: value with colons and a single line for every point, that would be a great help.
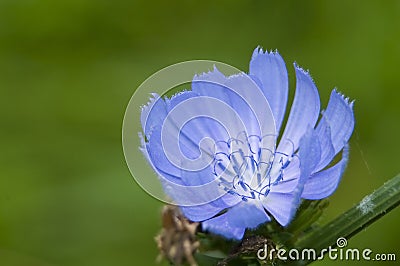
x: 369, y: 210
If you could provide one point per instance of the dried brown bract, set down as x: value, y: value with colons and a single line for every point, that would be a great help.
x: 177, y: 240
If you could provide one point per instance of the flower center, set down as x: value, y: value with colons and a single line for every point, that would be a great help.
x: 247, y: 169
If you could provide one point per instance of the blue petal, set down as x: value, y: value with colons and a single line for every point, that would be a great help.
x: 247, y: 215
x: 173, y: 186
x: 179, y: 98
x: 196, y: 190
x: 325, y: 140
x: 194, y: 196
x: 162, y: 175
x: 283, y: 206
x: 206, y: 211
x: 220, y: 225
x: 203, y: 187
x: 309, y: 153
x: 290, y: 177
x: 153, y: 114
x: 197, y: 128
x: 200, y: 129
x: 270, y: 70
x: 165, y: 166
x: 304, y: 112
x: 173, y: 141
x: 243, y: 95
x: 212, y: 84
x: 322, y: 184
x: 243, y: 215
x: 180, y: 138
x: 339, y: 116
x: 157, y: 155
x: 187, y: 128
x: 201, y: 212
x: 286, y: 185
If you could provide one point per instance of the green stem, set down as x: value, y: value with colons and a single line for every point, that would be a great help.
x: 370, y: 209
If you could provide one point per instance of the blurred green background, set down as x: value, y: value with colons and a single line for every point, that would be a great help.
x: 68, y: 69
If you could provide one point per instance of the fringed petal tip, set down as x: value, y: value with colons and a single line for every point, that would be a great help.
x: 211, y: 75
x: 216, y: 77
x: 260, y: 51
x: 152, y: 100
x: 345, y: 99
x: 177, y: 94
x: 301, y: 70
x: 152, y: 114
x: 146, y: 108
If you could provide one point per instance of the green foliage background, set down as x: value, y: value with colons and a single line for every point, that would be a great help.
x: 69, y: 67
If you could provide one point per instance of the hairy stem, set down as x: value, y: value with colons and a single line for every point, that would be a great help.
x: 370, y: 209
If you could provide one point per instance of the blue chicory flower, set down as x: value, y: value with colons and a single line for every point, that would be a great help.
x: 219, y: 155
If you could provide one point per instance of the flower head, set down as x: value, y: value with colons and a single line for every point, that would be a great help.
x: 222, y: 156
